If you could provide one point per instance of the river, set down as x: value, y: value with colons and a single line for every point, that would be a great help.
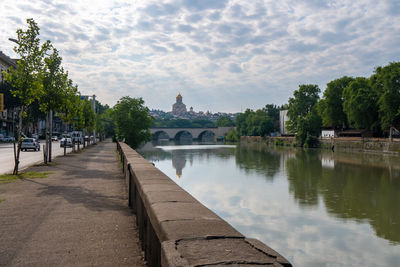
x: 316, y: 208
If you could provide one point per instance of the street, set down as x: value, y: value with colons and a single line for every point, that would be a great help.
x: 27, y: 158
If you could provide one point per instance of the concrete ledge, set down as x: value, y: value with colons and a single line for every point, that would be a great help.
x: 177, y: 230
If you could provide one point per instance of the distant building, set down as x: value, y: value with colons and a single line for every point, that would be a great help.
x: 283, y: 119
x: 6, y: 116
x: 5, y: 63
x: 328, y: 133
x: 179, y: 109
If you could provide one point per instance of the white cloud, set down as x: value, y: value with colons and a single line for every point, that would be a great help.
x: 221, y: 55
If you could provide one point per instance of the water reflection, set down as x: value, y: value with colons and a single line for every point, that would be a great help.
x: 313, y: 204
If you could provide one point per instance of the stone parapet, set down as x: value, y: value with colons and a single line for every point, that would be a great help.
x: 177, y: 230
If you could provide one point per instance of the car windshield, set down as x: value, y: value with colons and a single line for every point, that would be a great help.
x: 27, y: 140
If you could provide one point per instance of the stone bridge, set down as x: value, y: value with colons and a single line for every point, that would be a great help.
x: 196, y: 133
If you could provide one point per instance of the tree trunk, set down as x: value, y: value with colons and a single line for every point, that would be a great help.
x: 65, y: 146
x: 16, y: 157
x: 51, y: 134
x: 46, y: 146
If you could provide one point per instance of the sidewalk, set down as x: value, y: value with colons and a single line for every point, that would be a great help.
x: 77, y: 216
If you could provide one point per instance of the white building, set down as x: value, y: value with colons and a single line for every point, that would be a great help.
x: 328, y: 133
x: 283, y: 119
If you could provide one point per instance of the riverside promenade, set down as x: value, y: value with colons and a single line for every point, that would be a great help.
x: 76, y: 216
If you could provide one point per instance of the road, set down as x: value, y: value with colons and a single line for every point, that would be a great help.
x: 27, y: 158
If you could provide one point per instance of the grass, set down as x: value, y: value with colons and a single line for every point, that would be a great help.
x: 48, y: 164
x: 1, y: 200
x: 9, y: 178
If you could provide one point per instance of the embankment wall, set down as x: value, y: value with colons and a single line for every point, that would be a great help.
x: 376, y: 145
x: 177, y: 230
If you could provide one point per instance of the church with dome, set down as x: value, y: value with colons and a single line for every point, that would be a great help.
x: 179, y: 109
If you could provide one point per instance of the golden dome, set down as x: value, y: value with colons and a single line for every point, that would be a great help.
x: 179, y: 95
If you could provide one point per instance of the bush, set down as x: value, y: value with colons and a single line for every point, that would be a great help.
x: 232, y: 136
x: 279, y: 142
x: 311, y: 142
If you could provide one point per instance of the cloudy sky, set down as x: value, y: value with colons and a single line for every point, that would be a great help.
x: 221, y: 55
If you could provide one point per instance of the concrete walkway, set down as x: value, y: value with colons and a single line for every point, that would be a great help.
x: 77, y: 216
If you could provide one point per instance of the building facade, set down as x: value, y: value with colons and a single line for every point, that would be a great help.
x: 8, y: 114
x: 283, y: 119
x: 179, y: 109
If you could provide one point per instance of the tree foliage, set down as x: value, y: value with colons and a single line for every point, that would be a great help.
x: 331, y: 105
x: 386, y: 83
x: 303, y: 101
x: 304, y: 119
x: 255, y: 123
x: 224, y: 121
x: 132, y: 121
x: 360, y: 104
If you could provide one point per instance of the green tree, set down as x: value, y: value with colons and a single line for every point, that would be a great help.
x: 232, y: 136
x: 304, y: 119
x: 54, y: 83
x: 88, y: 116
x: 360, y: 104
x: 331, y: 107
x: 386, y: 82
x: 273, y: 112
x: 304, y: 100
x: 108, y: 123
x: 132, y: 121
x: 224, y: 121
x: 27, y: 77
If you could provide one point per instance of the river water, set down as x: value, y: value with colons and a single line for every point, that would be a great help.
x: 316, y: 208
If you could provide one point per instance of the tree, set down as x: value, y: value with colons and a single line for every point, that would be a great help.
x: 386, y: 83
x: 224, y: 121
x: 360, y: 104
x: 304, y: 100
x: 273, y: 112
x: 54, y: 83
x: 89, y: 116
x: 304, y: 119
x: 331, y: 107
x: 254, y: 123
x: 27, y: 77
x: 69, y: 109
x: 132, y: 121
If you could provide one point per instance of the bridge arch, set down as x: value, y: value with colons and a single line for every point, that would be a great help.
x: 183, y: 136
x: 160, y: 135
x: 206, y: 136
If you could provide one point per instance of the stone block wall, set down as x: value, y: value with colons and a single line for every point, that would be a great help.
x: 177, y: 230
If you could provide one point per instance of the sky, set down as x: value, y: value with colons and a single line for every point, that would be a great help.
x: 221, y: 55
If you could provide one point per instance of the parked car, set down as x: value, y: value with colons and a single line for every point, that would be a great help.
x: 66, y: 142
x: 36, y: 136
x: 30, y: 143
x: 54, y: 138
x: 9, y: 139
x: 77, y: 137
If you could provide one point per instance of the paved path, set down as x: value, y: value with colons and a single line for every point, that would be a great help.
x: 77, y: 216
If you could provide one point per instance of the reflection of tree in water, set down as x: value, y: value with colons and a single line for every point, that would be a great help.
x: 349, y: 191
x: 304, y: 173
x: 262, y: 162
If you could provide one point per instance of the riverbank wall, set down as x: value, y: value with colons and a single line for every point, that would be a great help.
x: 177, y: 230
x: 374, y: 145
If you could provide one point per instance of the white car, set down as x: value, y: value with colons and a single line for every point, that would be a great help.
x: 66, y: 142
x: 54, y: 138
x: 30, y: 143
